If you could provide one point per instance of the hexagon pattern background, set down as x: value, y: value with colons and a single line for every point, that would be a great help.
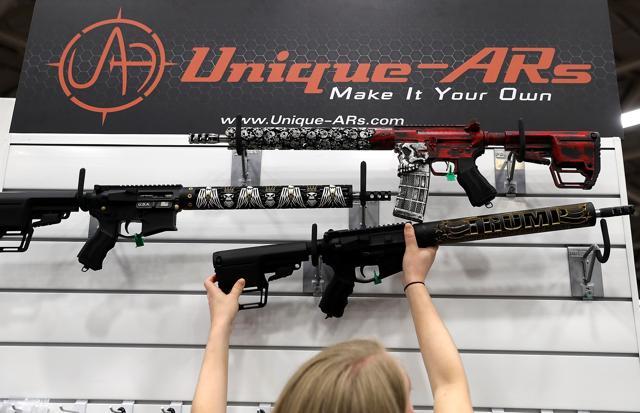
x: 351, y: 31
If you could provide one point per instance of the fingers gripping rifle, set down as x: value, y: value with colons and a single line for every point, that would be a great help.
x: 349, y: 250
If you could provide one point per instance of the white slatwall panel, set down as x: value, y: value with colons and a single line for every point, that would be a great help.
x: 476, y: 324
x: 135, y: 330
x: 182, y: 267
x: 129, y: 373
x: 629, y: 240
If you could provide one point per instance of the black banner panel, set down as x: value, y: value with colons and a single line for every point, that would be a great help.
x: 161, y: 66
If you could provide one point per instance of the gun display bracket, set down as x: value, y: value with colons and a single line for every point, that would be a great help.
x: 509, y: 167
x: 367, y: 211
x: 585, y: 269
x: 246, y: 164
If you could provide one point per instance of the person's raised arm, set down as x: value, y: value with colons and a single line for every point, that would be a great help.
x: 439, y: 353
x: 211, y: 390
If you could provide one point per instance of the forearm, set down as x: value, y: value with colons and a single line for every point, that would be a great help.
x: 211, y: 390
x: 439, y: 352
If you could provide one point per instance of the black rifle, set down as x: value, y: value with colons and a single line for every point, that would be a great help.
x: 154, y: 206
x: 347, y: 250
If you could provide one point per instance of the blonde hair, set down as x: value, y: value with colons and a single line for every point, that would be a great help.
x: 356, y: 376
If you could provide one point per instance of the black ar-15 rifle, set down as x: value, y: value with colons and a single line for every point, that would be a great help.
x: 154, y: 206
x: 348, y: 250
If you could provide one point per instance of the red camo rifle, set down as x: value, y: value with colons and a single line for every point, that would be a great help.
x: 420, y: 147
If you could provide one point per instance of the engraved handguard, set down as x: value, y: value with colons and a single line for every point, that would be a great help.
x: 302, y: 138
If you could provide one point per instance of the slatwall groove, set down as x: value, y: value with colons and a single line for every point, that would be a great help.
x: 80, y: 139
x: 32, y: 344
x: 300, y: 294
x: 395, y: 350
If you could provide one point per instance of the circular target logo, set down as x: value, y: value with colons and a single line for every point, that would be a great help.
x: 111, y: 65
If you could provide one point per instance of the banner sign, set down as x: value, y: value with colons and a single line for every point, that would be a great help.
x: 162, y: 66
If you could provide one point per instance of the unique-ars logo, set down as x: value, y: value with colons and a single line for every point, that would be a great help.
x: 111, y: 65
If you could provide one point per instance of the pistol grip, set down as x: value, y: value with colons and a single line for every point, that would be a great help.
x: 94, y: 251
x: 479, y: 191
x: 336, y: 295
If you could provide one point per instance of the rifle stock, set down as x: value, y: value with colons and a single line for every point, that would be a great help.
x: 21, y: 212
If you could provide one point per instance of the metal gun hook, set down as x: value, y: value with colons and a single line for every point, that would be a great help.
x: 15, y: 409
x: 596, y: 253
x: 169, y: 410
x: 118, y: 410
x: 518, y: 156
x: 62, y: 409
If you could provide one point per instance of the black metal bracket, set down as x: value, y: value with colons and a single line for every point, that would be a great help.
x: 506, y: 168
x: 522, y: 139
x: 245, y: 165
x: 368, y: 210
x: 593, y: 253
x: 80, y: 190
x: 240, y: 149
x: 313, y: 271
x: 363, y: 193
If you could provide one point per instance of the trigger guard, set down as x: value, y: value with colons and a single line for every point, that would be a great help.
x: 443, y: 173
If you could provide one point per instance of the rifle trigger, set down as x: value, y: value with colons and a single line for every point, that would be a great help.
x: 376, y: 278
x: 362, y: 271
x: 137, y: 238
x: 126, y: 226
x: 451, y: 176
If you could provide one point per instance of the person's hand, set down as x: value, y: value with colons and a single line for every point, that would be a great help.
x: 223, y: 307
x: 416, y: 261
